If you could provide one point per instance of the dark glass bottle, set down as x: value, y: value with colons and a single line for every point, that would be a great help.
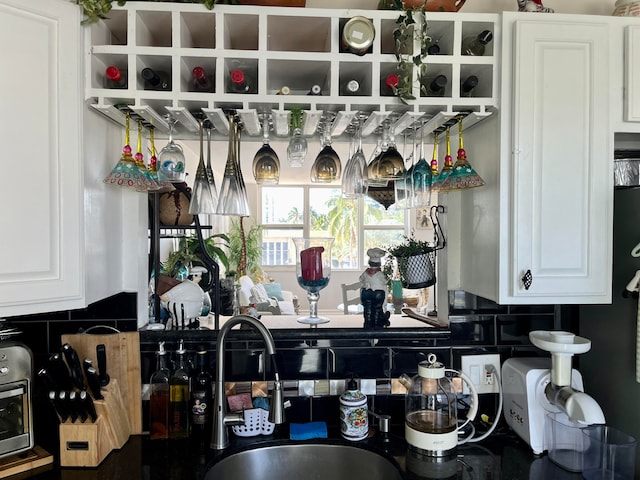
x: 351, y: 87
x: 476, y: 44
x: 469, y: 83
x: 201, y: 400
x: 436, y: 86
x: 115, y: 77
x: 155, y: 79
x: 159, y: 396
x: 201, y: 81
x: 239, y: 83
x: 390, y: 86
x: 315, y: 90
x: 433, y: 49
x: 179, y: 396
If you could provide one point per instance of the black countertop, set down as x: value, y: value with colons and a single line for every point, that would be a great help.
x: 501, y: 456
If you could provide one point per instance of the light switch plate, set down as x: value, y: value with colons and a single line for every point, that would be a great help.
x: 475, y: 366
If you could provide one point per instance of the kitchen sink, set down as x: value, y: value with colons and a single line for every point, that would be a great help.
x: 305, y: 461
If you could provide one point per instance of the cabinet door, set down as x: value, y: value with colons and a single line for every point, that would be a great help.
x: 632, y: 74
x: 41, y: 212
x: 562, y: 187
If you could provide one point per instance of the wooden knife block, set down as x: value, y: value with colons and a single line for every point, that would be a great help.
x: 87, y: 444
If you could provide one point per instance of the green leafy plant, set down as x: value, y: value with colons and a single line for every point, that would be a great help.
x: 411, y: 30
x: 189, y: 253
x: 395, y: 263
x: 95, y: 10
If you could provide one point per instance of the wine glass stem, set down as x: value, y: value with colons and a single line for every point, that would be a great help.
x: 313, y: 303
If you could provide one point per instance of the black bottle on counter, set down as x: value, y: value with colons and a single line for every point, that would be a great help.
x: 201, y: 400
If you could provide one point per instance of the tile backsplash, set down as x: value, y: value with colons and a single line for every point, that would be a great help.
x: 315, y: 371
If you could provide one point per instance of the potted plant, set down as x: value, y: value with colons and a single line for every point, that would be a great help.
x: 415, y: 262
x: 189, y: 253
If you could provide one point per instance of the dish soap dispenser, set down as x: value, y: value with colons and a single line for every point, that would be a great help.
x: 354, y: 415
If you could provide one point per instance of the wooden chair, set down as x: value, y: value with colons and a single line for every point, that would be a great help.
x: 346, y: 301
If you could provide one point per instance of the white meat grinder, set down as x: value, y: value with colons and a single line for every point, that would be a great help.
x: 532, y: 390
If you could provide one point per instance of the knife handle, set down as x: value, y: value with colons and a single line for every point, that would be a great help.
x: 62, y: 414
x: 101, y: 353
x: 94, y: 382
x: 73, y: 362
x: 59, y: 371
x: 88, y: 405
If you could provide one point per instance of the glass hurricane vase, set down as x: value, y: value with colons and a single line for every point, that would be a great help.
x: 313, y: 270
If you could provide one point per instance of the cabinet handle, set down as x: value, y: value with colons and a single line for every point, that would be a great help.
x: 527, y: 279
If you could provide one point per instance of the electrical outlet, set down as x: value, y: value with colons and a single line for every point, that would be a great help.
x: 476, y: 368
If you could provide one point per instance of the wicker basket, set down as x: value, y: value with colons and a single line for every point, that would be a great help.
x: 256, y: 422
x: 627, y: 8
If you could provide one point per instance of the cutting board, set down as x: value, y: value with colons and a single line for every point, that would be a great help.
x: 123, y: 364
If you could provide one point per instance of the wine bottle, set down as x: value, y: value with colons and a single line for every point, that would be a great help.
x: 201, y: 81
x: 315, y: 90
x: 239, y: 83
x: 155, y: 79
x: 433, y: 49
x: 475, y: 44
x: 436, y: 86
x: 159, y: 396
x: 284, y: 90
x: 357, y: 36
x: 351, y: 87
x: 390, y: 86
x: 201, y: 400
x: 179, y: 396
x: 115, y: 77
x: 469, y: 83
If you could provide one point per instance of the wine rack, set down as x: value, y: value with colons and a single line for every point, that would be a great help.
x: 279, y: 46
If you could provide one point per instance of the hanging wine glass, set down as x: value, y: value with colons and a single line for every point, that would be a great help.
x: 126, y: 173
x: 463, y: 175
x: 153, y: 163
x: 201, y: 198
x: 233, y: 195
x: 354, y: 179
x: 327, y: 166
x: 148, y: 184
x: 448, y: 164
x: 171, y: 161
x: 421, y: 176
x: 266, y: 164
x: 402, y: 185
x: 389, y: 165
x: 297, y: 149
x: 313, y: 270
x: 209, y: 170
x: 381, y: 146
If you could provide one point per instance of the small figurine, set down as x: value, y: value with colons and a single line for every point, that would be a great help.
x: 374, y: 291
x: 533, y: 6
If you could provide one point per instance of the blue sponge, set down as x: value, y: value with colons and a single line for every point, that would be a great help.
x: 305, y: 431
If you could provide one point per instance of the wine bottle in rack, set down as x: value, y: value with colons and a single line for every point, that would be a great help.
x: 315, y: 90
x: 435, y: 87
x: 155, y: 79
x: 476, y: 44
x: 468, y: 85
x: 284, y: 90
x: 433, y: 49
x: 239, y: 82
x: 115, y: 77
x: 201, y: 81
x: 351, y: 87
x: 390, y: 86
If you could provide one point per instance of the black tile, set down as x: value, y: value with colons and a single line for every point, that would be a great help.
x: 360, y: 362
x: 35, y: 335
x: 300, y: 410
x: 302, y: 364
x: 472, y: 330
x: 243, y: 365
x: 121, y: 305
x: 405, y: 361
x: 514, y: 329
x: 326, y: 409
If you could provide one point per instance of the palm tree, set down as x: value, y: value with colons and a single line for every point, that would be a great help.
x: 342, y: 220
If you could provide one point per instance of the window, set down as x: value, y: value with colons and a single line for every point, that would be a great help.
x: 356, y: 225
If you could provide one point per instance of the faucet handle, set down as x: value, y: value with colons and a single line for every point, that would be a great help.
x: 276, y: 412
x: 384, y: 421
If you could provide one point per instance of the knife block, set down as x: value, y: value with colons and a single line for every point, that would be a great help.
x: 87, y: 444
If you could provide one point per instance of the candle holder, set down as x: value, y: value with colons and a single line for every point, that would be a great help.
x: 313, y: 270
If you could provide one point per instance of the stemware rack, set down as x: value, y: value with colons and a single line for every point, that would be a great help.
x: 278, y: 46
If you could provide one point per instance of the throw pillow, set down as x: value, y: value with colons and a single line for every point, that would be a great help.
x: 274, y: 290
x: 259, y: 294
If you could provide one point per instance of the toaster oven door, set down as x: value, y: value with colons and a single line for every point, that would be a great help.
x: 16, y: 433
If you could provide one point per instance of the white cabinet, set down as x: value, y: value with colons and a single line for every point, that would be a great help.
x: 62, y: 230
x: 547, y: 208
x: 632, y: 74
